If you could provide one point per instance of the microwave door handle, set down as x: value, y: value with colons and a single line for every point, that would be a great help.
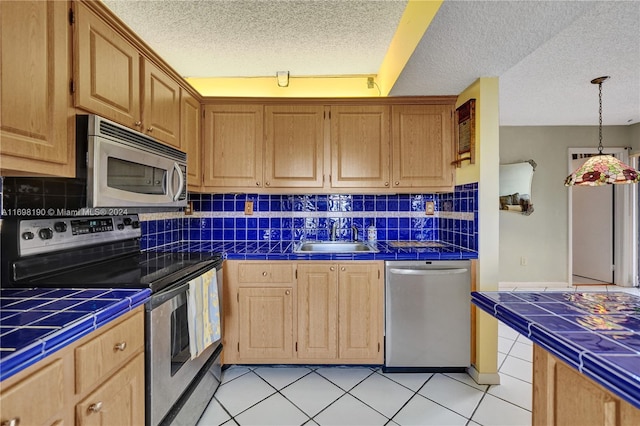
x: 176, y: 169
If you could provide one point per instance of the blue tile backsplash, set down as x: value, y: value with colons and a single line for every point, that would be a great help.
x: 220, y: 217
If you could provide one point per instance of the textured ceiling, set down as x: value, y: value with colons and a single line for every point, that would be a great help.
x: 544, y: 52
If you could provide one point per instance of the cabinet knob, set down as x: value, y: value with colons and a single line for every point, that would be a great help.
x: 386, y: 184
x: 332, y: 269
x: 96, y: 407
x: 264, y: 274
x: 343, y: 269
x: 150, y: 129
x: 138, y: 123
x: 257, y: 183
x: 267, y: 183
x: 11, y: 422
x: 120, y: 346
x: 287, y: 292
x: 397, y: 183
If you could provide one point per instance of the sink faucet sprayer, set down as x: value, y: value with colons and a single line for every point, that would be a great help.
x: 334, y: 228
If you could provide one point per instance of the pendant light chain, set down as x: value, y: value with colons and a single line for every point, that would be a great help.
x: 600, y: 148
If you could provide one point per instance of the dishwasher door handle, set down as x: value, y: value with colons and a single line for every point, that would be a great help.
x: 400, y: 271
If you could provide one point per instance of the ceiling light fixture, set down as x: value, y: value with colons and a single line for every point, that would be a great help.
x: 283, y: 78
x: 601, y: 169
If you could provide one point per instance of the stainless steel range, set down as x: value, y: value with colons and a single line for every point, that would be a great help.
x: 104, y: 252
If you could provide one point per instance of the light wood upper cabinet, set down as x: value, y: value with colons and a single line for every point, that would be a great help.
x: 161, y: 112
x: 114, y: 80
x: 190, y: 136
x: 294, y: 144
x: 36, y: 125
x: 106, y: 70
x: 317, y: 311
x: 233, y: 146
x: 360, y: 146
x: 422, y: 146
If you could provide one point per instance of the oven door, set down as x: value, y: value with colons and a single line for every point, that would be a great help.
x: 171, y: 373
x: 124, y: 176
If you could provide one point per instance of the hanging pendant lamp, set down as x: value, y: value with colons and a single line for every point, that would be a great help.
x: 601, y: 169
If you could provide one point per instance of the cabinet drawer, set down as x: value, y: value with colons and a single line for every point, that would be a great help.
x: 109, y: 350
x: 35, y: 399
x: 249, y: 273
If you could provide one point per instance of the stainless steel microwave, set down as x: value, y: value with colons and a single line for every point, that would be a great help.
x: 125, y: 168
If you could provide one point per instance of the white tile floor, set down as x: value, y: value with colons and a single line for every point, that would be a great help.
x: 358, y: 396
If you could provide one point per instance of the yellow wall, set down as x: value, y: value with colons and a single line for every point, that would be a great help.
x: 485, y: 172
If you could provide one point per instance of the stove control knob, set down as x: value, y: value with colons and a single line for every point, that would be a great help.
x: 45, y: 233
x: 28, y: 235
x: 127, y: 221
x: 120, y: 226
x: 135, y: 224
x: 60, y: 227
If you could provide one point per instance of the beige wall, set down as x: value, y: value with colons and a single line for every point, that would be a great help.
x: 542, y: 237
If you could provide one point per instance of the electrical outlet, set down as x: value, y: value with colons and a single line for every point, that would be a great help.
x: 188, y: 209
x: 248, y: 207
x: 429, y: 208
x: 523, y: 261
x: 369, y: 82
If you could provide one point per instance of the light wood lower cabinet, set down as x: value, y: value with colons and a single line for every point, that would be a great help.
x: 303, y: 312
x: 98, y: 380
x: 563, y: 396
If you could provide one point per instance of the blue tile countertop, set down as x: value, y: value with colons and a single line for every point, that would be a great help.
x: 596, y: 333
x: 37, y: 322
x: 283, y: 250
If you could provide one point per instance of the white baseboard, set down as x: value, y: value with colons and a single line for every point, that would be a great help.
x: 541, y: 284
x: 483, y: 378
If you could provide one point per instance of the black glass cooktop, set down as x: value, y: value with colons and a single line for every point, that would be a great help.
x: 142, y: 270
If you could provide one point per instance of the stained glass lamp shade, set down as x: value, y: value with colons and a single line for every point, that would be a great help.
x: 602, y: 169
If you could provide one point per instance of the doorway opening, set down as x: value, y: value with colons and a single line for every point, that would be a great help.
x: 598, y: 246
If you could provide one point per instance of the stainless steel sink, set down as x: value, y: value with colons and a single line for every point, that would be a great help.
x: 333, y: 247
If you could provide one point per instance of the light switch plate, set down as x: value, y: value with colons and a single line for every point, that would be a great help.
x: 248, y: 207
x: 429, y: 208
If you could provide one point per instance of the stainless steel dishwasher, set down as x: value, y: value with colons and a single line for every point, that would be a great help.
x: 427, y: 315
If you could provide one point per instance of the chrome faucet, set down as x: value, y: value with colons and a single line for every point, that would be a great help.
x: 334, y: 229
x: 354, y: 233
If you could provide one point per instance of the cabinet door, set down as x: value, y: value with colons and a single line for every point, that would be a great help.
x: 119, y: 401
x: 106, y: 70
x: 34, y: 87
x: 294, y: 146
x: 360, y: 313
x: 317, y: 311
x: 422, y: 146
x: 266, y: 323
x: 233, y: 143
x: 161, y: 113
x: 360, y: 146
x: 190, y: 138
x: 36, y: 399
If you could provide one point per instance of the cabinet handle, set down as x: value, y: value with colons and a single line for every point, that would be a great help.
x: 257, y: 183
x: 267, y: 183
x: 150, y: 129
x: 287, y: 292
x: 386, y: 184
x: 264, y: 274
x: 332, y: 268
x: 397, y: 183
x: 343, y: 269
x: 138, y: 123
x: 94, y: 408
x: 120, y: 346
x: 12, y: 422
